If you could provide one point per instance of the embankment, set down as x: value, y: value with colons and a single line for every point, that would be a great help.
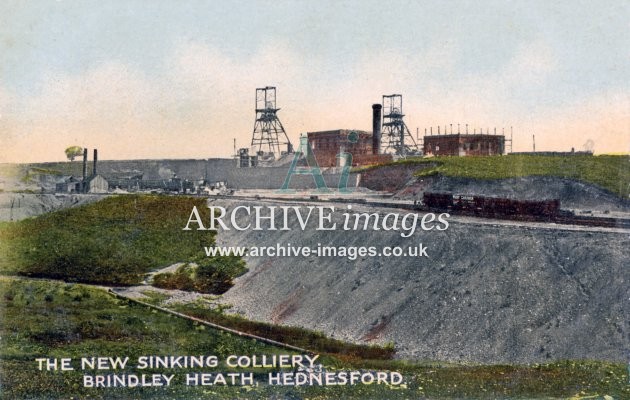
x: 573, y: 194
x: 44, y: 175
x: 486, y: 293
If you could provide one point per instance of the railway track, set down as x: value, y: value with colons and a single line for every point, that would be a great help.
x: 563, y: 217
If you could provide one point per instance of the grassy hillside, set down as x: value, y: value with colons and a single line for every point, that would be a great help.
x: 47, y: 319
x: 114, y: 241
x: 50, y: 319
x: 611, y: 172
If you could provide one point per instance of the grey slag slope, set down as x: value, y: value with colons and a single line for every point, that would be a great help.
x: 486, y: 293
x: 17, y: 206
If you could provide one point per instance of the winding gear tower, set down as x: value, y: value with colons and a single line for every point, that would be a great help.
x: 396, y: 138
x: 269, y: 134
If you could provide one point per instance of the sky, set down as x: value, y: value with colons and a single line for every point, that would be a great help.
x: 177, y: 79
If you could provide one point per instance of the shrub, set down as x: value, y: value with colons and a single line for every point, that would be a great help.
x: 211, y: 275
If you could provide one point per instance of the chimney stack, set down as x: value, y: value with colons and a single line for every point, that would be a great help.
x: 95, y: 159
x: 85, y: 151
x: 376, y: 128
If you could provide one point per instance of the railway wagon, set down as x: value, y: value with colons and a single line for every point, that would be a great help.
x: 492, y: 206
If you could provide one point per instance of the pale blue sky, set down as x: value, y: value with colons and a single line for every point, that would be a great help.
x: 437, y: 53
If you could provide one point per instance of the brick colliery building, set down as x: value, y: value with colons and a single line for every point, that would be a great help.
x: 362, y: 145
x: 464, y: 145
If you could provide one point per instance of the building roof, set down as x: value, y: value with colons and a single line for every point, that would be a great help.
x: 338, y: 132
x: 465, y: 135
x: 91, y: 178
x: 67, y: 179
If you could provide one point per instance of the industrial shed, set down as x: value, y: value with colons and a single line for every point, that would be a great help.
x: 464, y: 145
x: 68, y: 184
x: 95, y: 184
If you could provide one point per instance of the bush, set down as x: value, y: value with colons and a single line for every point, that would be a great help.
x: 211, y: 275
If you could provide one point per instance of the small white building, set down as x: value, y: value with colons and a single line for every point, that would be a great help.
x: 95, y: 184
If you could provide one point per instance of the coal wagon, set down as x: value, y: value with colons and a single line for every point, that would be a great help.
x: 492, y: 207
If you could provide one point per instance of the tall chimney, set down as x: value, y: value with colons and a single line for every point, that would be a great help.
x: 95, y: 159
x: 376, y: 128
x: 534, y: 142
x: 84, y: 164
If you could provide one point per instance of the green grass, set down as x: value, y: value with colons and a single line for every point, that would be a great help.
x: 295, y: 336
x: 153, y: 297
x: 115, y: 241
x: 54, y: 320
x: 118, y: 240
x: 212, y: 275
x: 611, y: 172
